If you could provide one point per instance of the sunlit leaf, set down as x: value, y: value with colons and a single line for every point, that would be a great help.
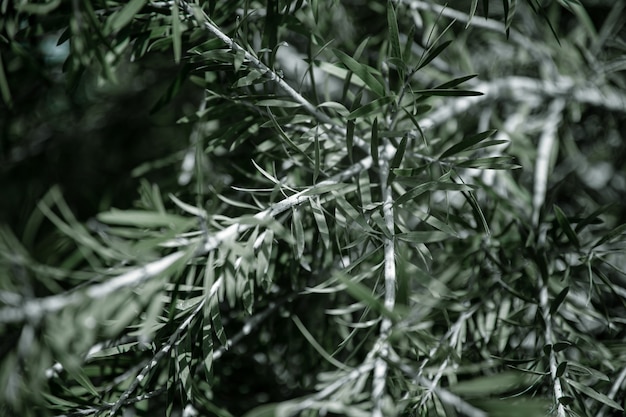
x: 466, y: 143
x: 124, y: 16
x: 432, y: 53
x: 140, y: 218
x: 370, y: 108
x: 590, y: 392
x: 367, y: 74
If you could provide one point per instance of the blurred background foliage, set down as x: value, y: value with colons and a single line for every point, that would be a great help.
x: 110, y: 101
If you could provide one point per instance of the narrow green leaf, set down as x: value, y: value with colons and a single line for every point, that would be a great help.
x: 176, y: 32
x: 320, y: 220
x: 397, y: 158
x: 560, y: 370
x: 590, y: 392
x: 83, y: 380
x: 364, y: 72
x: 253, y: 77
x: 311, y: 339
x: 495, y: 162
x: 139, y: 218
x: 343, y: 74
x: 559, y: 346
x: 611, y: 235
x: 566, y: 227
x: 238, y: 59
x: 488, y: 385
x: 466, y: 143
x: 297, y: 230
x: 193, y: 210
x: 365, y: 189
x: 365, y: 295
x: 593, y: 217
x: 322, y: 189
x: 207, y: 347
x: 271, y: 102
x: 4, y: 86
x: 423, y: 237
x: 183, y: 363
x: 216, y: 319
x: 374, y: 143
x: 432, y: 53
x: 485, y: 4
x: 429, y: 218
x: 558, y: 300
x: 575, y: 368
x: 507, y: 22
x: 124, y: 16
x: 263, y: 258
x: 430, y: 186
x: 409, y: 41
x: 371, y: 107
x: 269, y: 410
x: 565, y: 400
x: 150, y: 322
x: 456, y: 81
x: 472, y: 12
x: 316, y: 159
x: 394, y: 37
x: 488, y: 143
x: 477, y: 212
x: 445, y: 92
x: 285, y: 136
x: 359, y: 49
x: 76, y: 372
x: 31, y: 7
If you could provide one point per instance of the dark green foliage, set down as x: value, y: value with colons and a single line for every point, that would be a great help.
x: 370, y: 208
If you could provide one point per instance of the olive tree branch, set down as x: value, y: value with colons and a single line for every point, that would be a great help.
x: 557, y: 389
x: 389, y: 271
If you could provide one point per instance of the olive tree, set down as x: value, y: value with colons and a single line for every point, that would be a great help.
x: 361, y: 208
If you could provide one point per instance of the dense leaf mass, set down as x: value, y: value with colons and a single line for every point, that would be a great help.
x: 314, y: 208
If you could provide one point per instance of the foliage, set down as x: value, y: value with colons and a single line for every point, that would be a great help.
x: 365, y: 208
